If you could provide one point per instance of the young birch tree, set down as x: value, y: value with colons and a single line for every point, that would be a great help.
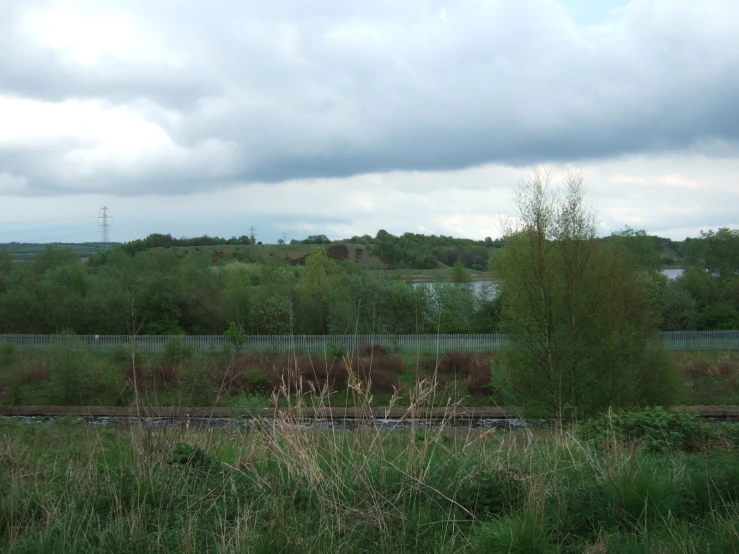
x: 577, y: 312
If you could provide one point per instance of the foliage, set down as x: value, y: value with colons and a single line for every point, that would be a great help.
x: 712, y: 279
x: 235, y: 336
x: 7, y: 354
x: 658, y: 430
x: 71, y: 370
x: 578, y: 310
x: 716, y: 251
x: 157, y: 240
x: 679, y: 310
x: 459, y: 273
x: 642, y: 249
x: 427, y: 252
x: 335, y: 350
x: 175, y: 351
x: 166, y: 286
x: 316, y: 239
x: 191, y: 455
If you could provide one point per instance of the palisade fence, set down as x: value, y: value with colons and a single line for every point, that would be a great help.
x: 673, y: 340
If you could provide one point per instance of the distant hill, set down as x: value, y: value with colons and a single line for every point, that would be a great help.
x: 22, y: 251
x: 383, y: 252
x: 293, y: 254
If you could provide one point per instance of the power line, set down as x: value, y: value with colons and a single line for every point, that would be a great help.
x: 44, y: 220
x: 105, y: 227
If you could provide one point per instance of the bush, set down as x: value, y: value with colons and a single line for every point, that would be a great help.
x: 235, y: 337
x: 657, y: 429
x: 7, y: 354
x: 375, y: 350
x: 335, y: 350
x: 661, y: 382
x: 491, y: 493
x: 475, y: 369
x: 192, y: 456
x: 255, y: 379
x: 71, y: 371
x: 197, y: 388
x: 166, y: 374
x: 175, y: 352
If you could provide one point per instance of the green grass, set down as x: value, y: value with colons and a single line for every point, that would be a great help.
x: 70, y: 487
x: 427, y: 275
x: 28, y: 251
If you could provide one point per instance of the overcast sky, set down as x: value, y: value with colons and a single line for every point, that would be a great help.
x: 343, y: 117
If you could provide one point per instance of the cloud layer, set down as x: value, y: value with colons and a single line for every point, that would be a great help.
x: 343, y: 117
x: 180, y: 96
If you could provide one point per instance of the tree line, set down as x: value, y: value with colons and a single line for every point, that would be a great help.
x: 166, y: 291
x: 163, y: 291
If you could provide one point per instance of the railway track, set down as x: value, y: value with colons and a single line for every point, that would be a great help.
x: 181, y: 412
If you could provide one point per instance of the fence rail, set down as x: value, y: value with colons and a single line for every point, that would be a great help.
x: 674, y: 340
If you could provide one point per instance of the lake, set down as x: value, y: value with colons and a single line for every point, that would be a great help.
x: 488, y: 288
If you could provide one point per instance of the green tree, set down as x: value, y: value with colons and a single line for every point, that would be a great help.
x: 5, y: 270
x: 578, y: 309
x: 716, y: 251
x: 459, y: 273
x: 639, y: 246
x: 320, y: 275
x: 679, y: 310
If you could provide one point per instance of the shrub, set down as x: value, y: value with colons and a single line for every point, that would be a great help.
x: 136, y: 374
x: 457, y: 362
x: 235, y: 337
x: 480, y: 376
x: 661, y: 382
x: 176, y: 352
x: 383, y: 380
x: 324, y: 372
x: 476, y: 369
x: 657, y: 429
x: 375, y: 350
x: 196, y: 387
x: 71, y: 370
x: 335, y: 350
x: 255, y: 378
x: 192, y: 456
x: 120, y: 354
x: 491, y: 493
x: 166, y: 374
x: 7, y: 354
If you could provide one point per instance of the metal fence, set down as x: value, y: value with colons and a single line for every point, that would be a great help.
x: 676, y: 340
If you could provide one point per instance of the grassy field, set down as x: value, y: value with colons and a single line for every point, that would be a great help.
x: 28, y: 251
x: 427, y: 275
x: 68, y: 374
x: 260, y: 254
x: 70, y: 487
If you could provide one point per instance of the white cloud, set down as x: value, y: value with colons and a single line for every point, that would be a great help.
x: 345, y: 117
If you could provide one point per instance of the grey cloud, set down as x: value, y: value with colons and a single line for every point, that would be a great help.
x: 31, y: 70
x: 342, y: 88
